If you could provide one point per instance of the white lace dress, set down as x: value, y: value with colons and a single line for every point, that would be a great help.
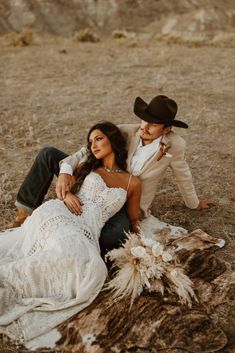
x: 50, y: 267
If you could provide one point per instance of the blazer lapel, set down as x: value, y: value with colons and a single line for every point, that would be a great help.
x: 164, y: 147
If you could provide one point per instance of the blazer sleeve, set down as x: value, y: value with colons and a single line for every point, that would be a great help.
x: 183, y: 176
x: 76, y: 158
x: 128, y: 131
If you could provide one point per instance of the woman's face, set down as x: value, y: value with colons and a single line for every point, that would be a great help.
x: 99, y: 144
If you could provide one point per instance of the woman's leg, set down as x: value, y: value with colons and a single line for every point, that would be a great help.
x: 113, y: 232
x: 39, y: 178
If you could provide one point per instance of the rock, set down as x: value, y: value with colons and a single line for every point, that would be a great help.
x: 118, y: 34
x: 86, y: 35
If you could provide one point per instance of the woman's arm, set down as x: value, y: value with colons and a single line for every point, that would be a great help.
x: 133, y: 203
x: 76, y: 158
x: 70, y: 199
x: 64, y: 181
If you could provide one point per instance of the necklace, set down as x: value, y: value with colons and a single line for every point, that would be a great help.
x: 112, y: 170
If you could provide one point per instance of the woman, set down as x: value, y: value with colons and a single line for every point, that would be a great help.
x: 50, y: 267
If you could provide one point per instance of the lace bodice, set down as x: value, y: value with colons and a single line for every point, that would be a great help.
x: 94, y: 191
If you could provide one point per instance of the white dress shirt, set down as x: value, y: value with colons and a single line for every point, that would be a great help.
x: 66, y: 168
x: 142, y: 154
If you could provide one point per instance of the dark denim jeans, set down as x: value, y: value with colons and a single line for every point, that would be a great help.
x: 37, y: 182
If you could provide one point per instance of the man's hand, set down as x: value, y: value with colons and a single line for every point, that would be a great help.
x: 73, y: 203
x: 63, y: 185
x: 206, y: 204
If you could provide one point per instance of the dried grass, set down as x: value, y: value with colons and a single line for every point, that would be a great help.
x: 21, y: 39
x: 220, y: 40
x: 52, y: 99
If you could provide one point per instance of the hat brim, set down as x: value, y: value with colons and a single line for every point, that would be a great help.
x: 140, y: 107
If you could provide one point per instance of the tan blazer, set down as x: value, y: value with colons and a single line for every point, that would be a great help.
x: 154, y: 169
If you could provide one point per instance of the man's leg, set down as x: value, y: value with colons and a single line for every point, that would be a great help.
x: 39, y: 178
x: 112, y: 234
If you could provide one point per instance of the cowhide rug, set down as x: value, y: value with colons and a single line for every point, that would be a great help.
x: 154, y: 323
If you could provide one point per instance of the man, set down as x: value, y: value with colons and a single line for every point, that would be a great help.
x: 152, y: 148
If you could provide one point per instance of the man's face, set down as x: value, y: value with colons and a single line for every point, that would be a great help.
x: 149, y: 132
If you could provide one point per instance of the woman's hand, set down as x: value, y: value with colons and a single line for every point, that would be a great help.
x: 135, y: 226
x: 73, y: 203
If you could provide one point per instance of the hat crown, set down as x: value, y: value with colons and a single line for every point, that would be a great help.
x: 162, y: 107
x: 161, y: 110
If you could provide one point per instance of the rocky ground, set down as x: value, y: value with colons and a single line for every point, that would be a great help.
x: 53, y: 90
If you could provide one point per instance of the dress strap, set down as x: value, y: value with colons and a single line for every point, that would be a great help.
x: 129, y: 181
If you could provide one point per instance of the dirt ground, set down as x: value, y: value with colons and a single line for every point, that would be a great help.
x: 53, y: 90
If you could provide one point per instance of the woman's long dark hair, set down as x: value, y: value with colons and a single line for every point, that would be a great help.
x: 118, y: 144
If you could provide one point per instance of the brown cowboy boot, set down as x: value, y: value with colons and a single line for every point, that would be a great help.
x: 20, y: 218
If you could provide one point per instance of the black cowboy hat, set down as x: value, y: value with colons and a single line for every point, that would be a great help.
x: 161, y: 110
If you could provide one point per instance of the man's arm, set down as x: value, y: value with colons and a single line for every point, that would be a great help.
x: 206, y: 203
x: 67, y: 167
x: 76, y: 158
x: 182, y: 173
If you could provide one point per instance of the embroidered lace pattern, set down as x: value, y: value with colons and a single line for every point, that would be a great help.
x: 51, y: 226
x: 109, y: 199
x: 54, y: 269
